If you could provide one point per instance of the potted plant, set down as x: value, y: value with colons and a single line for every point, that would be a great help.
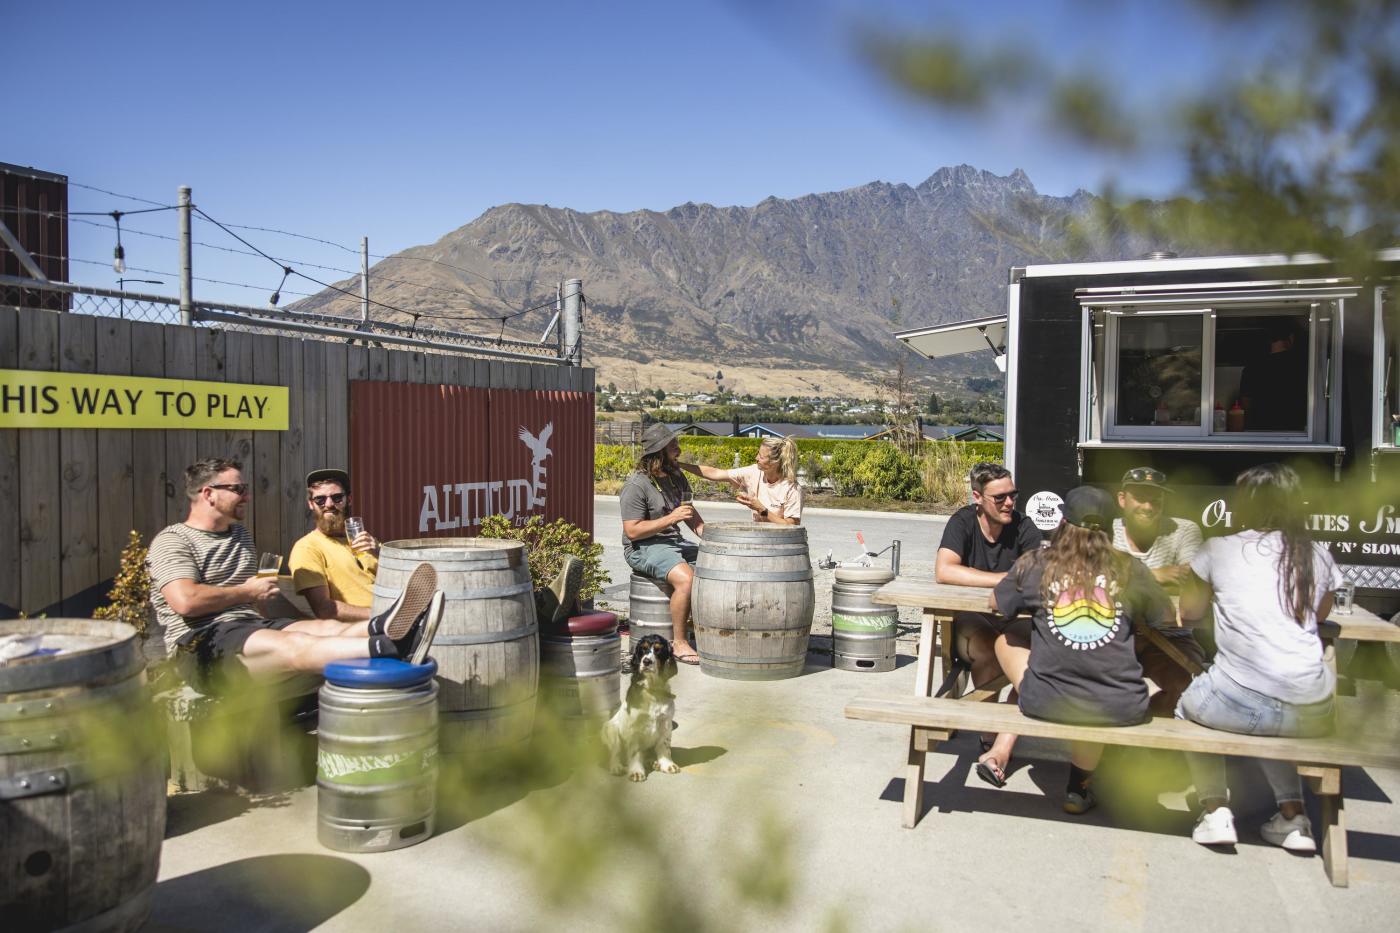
x: 548, y: 544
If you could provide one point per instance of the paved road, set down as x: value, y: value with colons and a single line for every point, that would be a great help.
x: 827, y: 530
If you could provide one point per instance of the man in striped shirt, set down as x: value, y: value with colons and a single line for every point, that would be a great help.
x: 225, y: 624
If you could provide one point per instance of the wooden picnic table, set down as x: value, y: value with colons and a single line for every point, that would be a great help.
x: 941, y: 601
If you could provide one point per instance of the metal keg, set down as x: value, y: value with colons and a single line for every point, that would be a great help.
x: 650, y: 611
x: 376, y: 768
x: 581, y: 677
x: 862, y: 633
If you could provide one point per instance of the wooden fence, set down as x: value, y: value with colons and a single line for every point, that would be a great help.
x: 69, y: 498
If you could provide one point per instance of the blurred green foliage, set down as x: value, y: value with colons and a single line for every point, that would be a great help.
x: 1294, y: 152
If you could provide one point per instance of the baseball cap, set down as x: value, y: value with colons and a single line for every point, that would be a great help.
x: 1146, y: 476
x: 328, y: 475
x: 1089, y: 507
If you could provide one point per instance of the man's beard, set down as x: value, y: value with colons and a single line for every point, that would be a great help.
x: 331, y: 522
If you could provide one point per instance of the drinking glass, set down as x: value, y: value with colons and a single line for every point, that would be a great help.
x: 269, y: 564
x: 354, y: 527
x: 1344, y: 598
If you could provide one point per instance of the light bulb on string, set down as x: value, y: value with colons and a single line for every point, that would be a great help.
x: 277, y: 295
x: 118, y: 254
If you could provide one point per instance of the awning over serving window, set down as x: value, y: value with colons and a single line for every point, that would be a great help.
x: 1213, y: 294
x: 987, y: 333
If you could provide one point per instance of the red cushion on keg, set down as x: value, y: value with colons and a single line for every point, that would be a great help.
x: 589, y: 623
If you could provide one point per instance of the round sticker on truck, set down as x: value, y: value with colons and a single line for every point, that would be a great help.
x: 1044, y: 510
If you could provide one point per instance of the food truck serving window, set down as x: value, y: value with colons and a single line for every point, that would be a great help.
x: 1247, y: 366
x: 1387, y: 375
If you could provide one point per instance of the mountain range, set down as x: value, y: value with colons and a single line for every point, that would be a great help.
x: 791, y: 296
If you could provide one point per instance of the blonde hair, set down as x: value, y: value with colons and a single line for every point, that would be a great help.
x: 784, y: 450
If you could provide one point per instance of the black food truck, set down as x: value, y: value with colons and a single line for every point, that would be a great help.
x: 1202, y: 367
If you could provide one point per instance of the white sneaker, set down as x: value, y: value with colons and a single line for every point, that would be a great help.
x: 1215, y: 828
x: 1294, y: 834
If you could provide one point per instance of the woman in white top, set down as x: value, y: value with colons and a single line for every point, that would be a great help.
x: 769, y: 486
x: 1268, y: 587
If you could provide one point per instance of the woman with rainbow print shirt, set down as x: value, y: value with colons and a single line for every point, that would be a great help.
x: 1084, y: 598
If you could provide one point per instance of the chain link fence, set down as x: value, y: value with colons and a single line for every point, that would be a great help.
x: 137, y: 306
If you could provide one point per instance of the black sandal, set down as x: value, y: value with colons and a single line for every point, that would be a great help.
x: 991, y: 772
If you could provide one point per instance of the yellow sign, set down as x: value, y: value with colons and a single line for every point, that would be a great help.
x: 34, y: 399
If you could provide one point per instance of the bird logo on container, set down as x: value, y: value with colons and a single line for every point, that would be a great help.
x: 539, y: 452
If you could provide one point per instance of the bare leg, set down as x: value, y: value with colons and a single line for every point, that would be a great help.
x: 330, y: 628
x: 270, y: 651
x: 1085, y: 755
x: 1013, y: 653
x: 680, y: 577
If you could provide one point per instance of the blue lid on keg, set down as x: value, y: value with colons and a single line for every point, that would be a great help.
x: 379, y: 673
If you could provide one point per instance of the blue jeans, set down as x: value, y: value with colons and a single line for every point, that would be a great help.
x: 1217, y: 702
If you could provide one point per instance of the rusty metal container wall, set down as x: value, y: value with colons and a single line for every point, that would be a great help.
x: 26, y: 193
x: 435, y: 460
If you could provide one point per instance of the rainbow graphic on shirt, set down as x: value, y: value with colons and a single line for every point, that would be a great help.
x: 1084, y: 620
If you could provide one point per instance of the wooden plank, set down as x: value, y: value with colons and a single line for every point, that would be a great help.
x: 292, y: 486
x: 417, y: 367
x: 150, y: 481
x: 400, y: 366
x: 925, y: 594
x: 9, y: 480
x: 1360, y: 625
x: 115, y: 490
x: 181, y: 446
x: 433, y: 365
x: 337, y: 391
x: 210, y: 366
x: 1172, y: 734
x: 240, y: 368
x: 496, y: 374
x: 41, y: 586
x: 1332, y: 833
x: 357, y: 364
x: 313, y: 403
x: 590, y: 380
x: 1322, y: 780
x: 267, y: 452
x: 378, y: 364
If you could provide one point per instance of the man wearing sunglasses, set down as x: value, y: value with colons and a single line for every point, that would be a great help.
x: 980, y: 543
x: 226, y: 626
x: 334, y: 574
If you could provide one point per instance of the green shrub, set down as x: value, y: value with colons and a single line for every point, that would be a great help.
x: 613, y: 461
x: 548, y: 543
x: 886, y: 473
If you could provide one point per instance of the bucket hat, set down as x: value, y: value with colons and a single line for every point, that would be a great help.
x: 655, y: 438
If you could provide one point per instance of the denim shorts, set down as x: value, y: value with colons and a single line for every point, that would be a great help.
x: 655, y: 559
x: 1218, y: 702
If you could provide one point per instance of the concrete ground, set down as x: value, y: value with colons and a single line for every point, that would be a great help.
x: 785, y: 816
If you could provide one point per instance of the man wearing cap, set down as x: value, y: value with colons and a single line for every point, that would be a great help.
x: 1166, y: 545
x: 655, y: 501
x: 335, y: 575
x: 226, y: 626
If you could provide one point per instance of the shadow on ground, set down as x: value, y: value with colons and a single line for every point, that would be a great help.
x: 185, y: 813
x: 1128, y: 783
x: 267, y: 894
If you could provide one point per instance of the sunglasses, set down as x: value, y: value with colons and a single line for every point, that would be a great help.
x: 1145, y: 475
x: 337, y: 498
x: 1001, y: 497
x: 238, y: 489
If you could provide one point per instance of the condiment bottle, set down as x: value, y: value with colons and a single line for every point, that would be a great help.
x: 1234, y: 420
x: 1217, y: 420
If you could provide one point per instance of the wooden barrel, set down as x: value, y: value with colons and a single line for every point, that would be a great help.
x: 82, y: 779
x: 649, y: 610
x: 863, y: 633
x: 487, y: 647
x: 376, y: 766
x: 581, y: 678
x: 753, y: 600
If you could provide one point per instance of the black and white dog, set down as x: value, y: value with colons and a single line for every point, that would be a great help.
x: 641, y: 728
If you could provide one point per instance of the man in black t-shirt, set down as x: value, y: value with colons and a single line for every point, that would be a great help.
x: 980, y: 543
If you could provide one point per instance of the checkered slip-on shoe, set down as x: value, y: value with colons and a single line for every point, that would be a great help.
x: 428, y: 631
x: 398, y: 619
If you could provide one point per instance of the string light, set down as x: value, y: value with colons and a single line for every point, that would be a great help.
x: 118, y: 254
x: 277, y: 295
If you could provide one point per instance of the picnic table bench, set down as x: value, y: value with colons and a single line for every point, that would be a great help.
x: 934, y: 720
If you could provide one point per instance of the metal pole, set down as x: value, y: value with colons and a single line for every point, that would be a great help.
x: 571, y: 323
x: 186, y: 267
x: 364, y: 279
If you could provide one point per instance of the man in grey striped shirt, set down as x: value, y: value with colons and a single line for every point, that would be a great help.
x: 225, y: 624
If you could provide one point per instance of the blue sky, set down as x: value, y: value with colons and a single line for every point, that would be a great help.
x: 404, y: 121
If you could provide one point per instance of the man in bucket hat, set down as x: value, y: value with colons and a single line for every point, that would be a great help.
x: 655, y: 501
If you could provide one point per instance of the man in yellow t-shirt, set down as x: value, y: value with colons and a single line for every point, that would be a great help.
x: 333, y: 574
